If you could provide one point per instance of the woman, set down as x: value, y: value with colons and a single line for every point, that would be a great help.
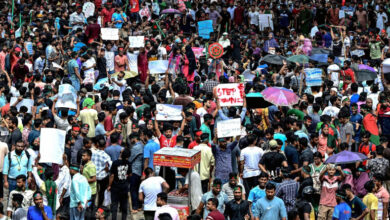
x: 326, y: 141
x: 361, y: 177
x: 189, y: 61
x: 174, y: 62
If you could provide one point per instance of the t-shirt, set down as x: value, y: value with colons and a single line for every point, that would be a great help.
x: 149, y: 150
x: 273, y: 162
x: 89, y: 116
x: 89, y: 171
x: 251, y: 157
x: 357, y: 207
x: 206, y: 130
x: 328, y: 190
x: 150, y: 188
x: 371, y: 202
x: 36, y: 214
x: 120, y: 169
x: 346, y: 129
x: 256, y: 194
x: 100, y: 130
x: 165, y: 142
x: 270, y: 209
x: 342, y: 211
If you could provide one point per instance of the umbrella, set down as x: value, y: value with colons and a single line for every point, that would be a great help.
x: 280, y: 96
x: 274, y: 59
x: 320, y: 57
x: 170, y: 11
x: 100, y: 84
x: 345, y: 157
x: 364, y: 75
x: 256, y: 100
x: 128, y: 74
x: 299, y: 59
x: 366, y: 67
x: 317, y: 50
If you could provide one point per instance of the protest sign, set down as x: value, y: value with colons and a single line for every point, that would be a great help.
x: 313, y: 76
x: 55, y: 65
x: 341, y: 14
x: 158, y: 66
x: 67, y: 97
x: 266, y: 21
x: 110, y: 33
x: 248, y: 76
x: 205, y: 28
x: 198, y: 51
x: 166, y: 112
x: 136, y: 41
x: 386, y: 66
x: 230, y: 94
x: 229, y: 128
x: 88, y: 9
x: 52, y: 145
x: 25, y: 102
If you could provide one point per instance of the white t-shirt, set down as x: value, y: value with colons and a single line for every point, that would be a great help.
x: 251, y: 157
x: 89, y: 74
x: 161, y: 53
x: 346, y: 43
x: 334, y: 75
x: 254, y: 18
x: 119, y: 88
x: 201, y: 112
x: 133, y: 60
x: 150, y: 188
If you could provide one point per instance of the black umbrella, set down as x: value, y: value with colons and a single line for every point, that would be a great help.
x: 317, y: 50
x: 274, y: 59
x: 256, y: 100
x: 364, y: 75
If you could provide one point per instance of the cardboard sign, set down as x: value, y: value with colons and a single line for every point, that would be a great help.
x: 230, y: 94
x: 67, y: 97
x: 313, y: 76
x: 266, y: 21
x: 25, y: 102
x: 110, y: 33
x: 229, y: 128
x: 166, y: 112
x: 198, y: 51
x: 158, y: 66
x: 205, y: 28
x: 136, y: 41
x: 52, y: 145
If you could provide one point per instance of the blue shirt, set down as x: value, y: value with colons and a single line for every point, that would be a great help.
x: 114, y: 151
x: 150, y: 148
x: 342, y: 211
x: 222, y: 200
x: 99, y: 130
x: 80, y: 191
x: 118, y: 17
x: 270, y: 209
x: 281, y: 137
x: 256, y: 194
x: 35, y: 213
x: 20, y: 165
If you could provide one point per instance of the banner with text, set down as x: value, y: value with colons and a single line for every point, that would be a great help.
x: 313, y: 76
x: 136, y: 41
x: 230, y: 94
x: 229, y: 128
x: 110, y: 33
x: 67, y: 97
x: 166, y: 112
x: 205, y: 28
x: 158, y: 66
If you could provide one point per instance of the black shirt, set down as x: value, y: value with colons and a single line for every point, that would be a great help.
x: 272, y: 160
x: 306, y: 156
x: 237, y: 211
x: 120, y: 169
x: 303, y: 207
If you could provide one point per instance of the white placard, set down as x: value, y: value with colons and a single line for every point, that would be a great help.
x: 25, y: 102
x: 248, y: 76
x: 55, y: 65
x: 67, y: 97
x: 136, y: 41
x: 266, y: 21
x: 386, y: 65
x: 341, y: 14
x: 230, y: 94
x: 110, y: 33
x: 166, y: 112
x: 229, y: 128
x: 158, y: 66
x: 52, y: 145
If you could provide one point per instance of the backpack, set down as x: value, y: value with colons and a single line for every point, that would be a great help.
x: 10, y: 160
x: 316, y: 178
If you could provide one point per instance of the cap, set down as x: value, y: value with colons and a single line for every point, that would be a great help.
x: 273, y: 144
x: 333, y: 89
x: 85, y: 126
x: 84, y: 90
x: 225, y: 33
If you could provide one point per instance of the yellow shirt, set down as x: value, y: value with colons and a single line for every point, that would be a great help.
x: 206, y: 161
x: 89, y: 116
x: 371, y: 201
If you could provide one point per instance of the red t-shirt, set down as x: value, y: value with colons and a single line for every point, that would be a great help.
x: 165, y: 142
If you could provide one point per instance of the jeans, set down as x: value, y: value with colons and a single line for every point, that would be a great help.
x: 12, y: 185
x: 205, y: 185
x: 119, y: 196
x: 102, y: 186
x: 149, y: 215
x: 135, y: 182
x: 76, y: 215
x: 250, y: 182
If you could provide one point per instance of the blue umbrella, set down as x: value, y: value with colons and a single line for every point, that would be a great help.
x: 321, y: 58
x: 345, y: 157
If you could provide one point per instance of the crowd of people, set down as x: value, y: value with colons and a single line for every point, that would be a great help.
x: 276, y: 169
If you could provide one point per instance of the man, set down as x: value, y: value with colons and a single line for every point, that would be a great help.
x: 166, y: 139
x: 304, y: 206
x: 382, y: 194
x: 114, y: 150
x: 237, y: 208
x: 39, y: 211
x: 270, y: 207
x: 214, y: 213
x: 21, y: 190
x: 207, y: 162
x: 150, y: 148
x: 19, y: 211
x: 378, y: 165
x: 273, y: 161
x: 216, y: 193
x: 163, y: 207
x: 228, y: 188
x: 16, y: 163
x: 15, y: 134
x: 346, y: 128
x: 89, y: 172
x: 136, y: 160
x: 249, y: 162
x: 148, y: 190
x: 103, y: 163
x: 223, y: 158
x: 118, y: 184
x: 359, y: 210
x: 341, y: 211
x: 89, y: 116
x: 80, y: 193
x: 77, y: 19
x: 79, y: 140
x: 287, y: 190
x: 259, y: 191
x: 370, y: 201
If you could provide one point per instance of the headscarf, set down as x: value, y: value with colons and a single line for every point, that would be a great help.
x: 307, y: 47
x: 88, y: 103
x: 191, y: 58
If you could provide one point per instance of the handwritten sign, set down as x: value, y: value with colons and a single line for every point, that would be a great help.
x: 230, y: 94
x: 110, y: 33
x: 313, y: 76
x: 52, y: 145
x: 166, y: 112
x: 229, y: 128
x: 266, y: 21
x: 67, y: 97
x: 158, y: 66
x: 205, y: 28
x: 25, y: 102
x: 198, y: 51
x: 136, y: 41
